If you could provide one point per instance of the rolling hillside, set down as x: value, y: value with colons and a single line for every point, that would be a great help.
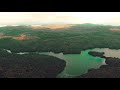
x: 70, y: 39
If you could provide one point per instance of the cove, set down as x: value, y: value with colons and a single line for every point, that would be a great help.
x: 77, y: 64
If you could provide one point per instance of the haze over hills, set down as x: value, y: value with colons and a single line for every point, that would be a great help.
x: 65, y: 39
x: 55, y: 25
x: 45, y: 37
x: 53, y: 44
x: 30, y: 18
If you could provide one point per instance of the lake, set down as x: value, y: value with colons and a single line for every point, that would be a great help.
x: 79, y: 64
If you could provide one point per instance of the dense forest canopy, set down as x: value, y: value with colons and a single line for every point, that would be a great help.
x: 67, y: 40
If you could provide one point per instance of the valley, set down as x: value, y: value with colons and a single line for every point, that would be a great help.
x: 69, y: 45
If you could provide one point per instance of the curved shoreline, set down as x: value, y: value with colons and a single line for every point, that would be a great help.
x: 29, y: 66
x: 64, y: 52
x: 98, y: 73
x: 111, y: 70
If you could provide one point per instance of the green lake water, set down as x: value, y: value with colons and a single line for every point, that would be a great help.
x: 77, y: 64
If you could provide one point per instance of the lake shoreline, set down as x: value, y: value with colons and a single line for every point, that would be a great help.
x: 64, y: 52
x: 90, y: 52
x: 30, y: 66
x: 111, y: 70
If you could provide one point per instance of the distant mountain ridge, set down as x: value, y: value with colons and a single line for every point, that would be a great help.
x: 56, y: 26
x: 91, y: 24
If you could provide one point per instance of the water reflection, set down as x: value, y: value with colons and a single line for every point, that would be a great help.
x: 108, y: 52
x: 78, y: 64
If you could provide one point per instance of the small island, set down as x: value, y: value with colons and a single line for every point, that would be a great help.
x: 96, y: 54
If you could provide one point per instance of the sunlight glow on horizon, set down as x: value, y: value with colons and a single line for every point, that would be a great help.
x: 30, y: 18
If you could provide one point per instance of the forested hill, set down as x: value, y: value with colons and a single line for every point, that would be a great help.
x: 71, y: 38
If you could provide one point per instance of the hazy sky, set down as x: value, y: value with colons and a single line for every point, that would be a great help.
x: 17, y: 18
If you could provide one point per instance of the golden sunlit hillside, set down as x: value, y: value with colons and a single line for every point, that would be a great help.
x: 115, y: 29
x: 52, y: 26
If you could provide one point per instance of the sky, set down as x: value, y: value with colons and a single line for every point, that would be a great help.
x: 30, y: 18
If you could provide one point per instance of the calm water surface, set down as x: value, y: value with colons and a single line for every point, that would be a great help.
x: 78, y: 64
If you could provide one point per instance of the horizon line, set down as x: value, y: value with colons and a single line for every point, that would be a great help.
x: 52, y: 23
